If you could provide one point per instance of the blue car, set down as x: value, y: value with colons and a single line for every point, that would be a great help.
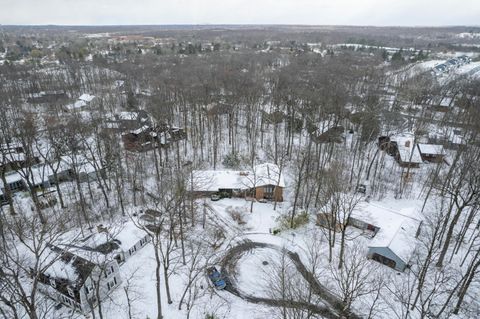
x: 216, y: 278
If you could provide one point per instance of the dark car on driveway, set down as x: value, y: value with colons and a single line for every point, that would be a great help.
x: 216, y: 278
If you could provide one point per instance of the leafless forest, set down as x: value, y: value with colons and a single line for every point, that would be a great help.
x: 104, y: 126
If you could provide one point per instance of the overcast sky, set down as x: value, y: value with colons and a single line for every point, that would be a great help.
x: 345, y: 12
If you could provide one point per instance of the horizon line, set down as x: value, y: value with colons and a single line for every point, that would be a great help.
x: 243, y: 24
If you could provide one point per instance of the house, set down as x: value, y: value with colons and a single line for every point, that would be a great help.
x: 464, y: 59
x: 147, y: 138
x: 78, y: 282
x: 12, y: 160
x: 118, y: 242
x: 38, y: 176
x: 12, y: 147
x: 433, y: 153
x: 264, y: 182
x: 402, y: 148
x: 407, y: 154
x: 84, y: 100
x: 92, y: 261
x: 141, y: 139
x: 82, y: 167
x: 393, y: 230
x: 12, y: 157
x: 59, y: 171
x: 394, y: 246
x: 268, y: 182
x: 15, y: 182
x: 439, y: 69
x: 131, y: 120
x: 50, y: 97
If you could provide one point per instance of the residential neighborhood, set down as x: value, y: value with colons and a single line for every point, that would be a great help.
x: 156, y: 165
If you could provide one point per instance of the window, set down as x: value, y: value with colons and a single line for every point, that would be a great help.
x: 109, y: 271
x: 132, y: 250
x: 111, y: 284
x: 71, y: 292
x: 268, y: 189
x: 143, y: 241
x: 384, y: 260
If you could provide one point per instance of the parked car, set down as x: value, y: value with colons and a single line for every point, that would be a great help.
x: 216, y: 278
x: 362, y: 189
x: 215, y: 197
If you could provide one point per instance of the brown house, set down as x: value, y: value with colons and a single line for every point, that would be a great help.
x: 402, y: 148
x: 431, y: 152
x: 265, y: 182
x: 269, y: 192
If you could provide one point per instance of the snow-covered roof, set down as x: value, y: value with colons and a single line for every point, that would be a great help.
x: 268, y: 174
x: 13, y: 177
x: 66, y: 265
x: 127, y: 116
x: 82, y: 101
x: 60, y: 268
x: 81, y: 163
x: 129, y: 235
x: 12, y: 157
x: 398, y: 221
x: 40, y: 174
x: 263, y: 174
x: 76, y: 105
x: 405, y: 144
x: 141, y: 130
x: 99, y: 247
x: 401, y: 240
x: 212, y: 181
x: 86, y: 97
x: 446, y: 101
x: 10, y: 146
x: 431, y: 149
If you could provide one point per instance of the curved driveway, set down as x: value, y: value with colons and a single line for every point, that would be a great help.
x: 334, y: 308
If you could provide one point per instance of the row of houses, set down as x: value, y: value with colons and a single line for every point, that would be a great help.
x: 450, y: 64
x: 43, y: 176
x: 84, y: 271
x: 408, y: 153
